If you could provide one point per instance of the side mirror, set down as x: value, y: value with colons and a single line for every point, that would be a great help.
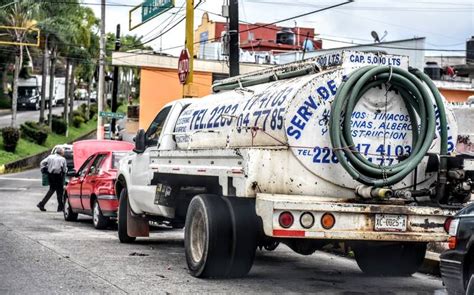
x: 71, y: 173
x: 140, y: 143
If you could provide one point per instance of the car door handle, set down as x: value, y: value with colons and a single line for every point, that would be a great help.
x: 93, y: 181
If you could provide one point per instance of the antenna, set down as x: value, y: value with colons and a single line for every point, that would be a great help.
x: 375, y: 36
x: 385, y: 33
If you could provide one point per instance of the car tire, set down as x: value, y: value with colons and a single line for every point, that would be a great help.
x: 99, y: 220
x: 389, y: 259
x: 69, y: 215
x: 244, y: 223
x: 207, y: 237
x: 124, y: 207
x: 469, y: 286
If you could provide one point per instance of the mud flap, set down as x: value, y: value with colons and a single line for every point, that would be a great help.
x: 136, y: 225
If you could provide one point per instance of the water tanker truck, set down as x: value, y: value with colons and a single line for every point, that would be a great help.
x: 354, y: 147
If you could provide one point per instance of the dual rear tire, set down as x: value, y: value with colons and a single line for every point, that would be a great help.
x: 220, y: 236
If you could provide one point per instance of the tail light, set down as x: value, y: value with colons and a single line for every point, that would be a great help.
x: 286, y: 219
x: 452, y: 242
x: 327, y: 220
x: 307, y: 220
x: 447, y: 224
x: 453, y: 227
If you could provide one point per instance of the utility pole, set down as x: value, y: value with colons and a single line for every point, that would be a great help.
x: 115, y: 80
x: 188, y: 89
x: 100, y: 92
x: 234, y: 38
x: 42, y: 103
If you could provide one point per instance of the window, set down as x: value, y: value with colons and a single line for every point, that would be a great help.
x: 154, y: 131
x: 95, y: 167
x: 82, y: 171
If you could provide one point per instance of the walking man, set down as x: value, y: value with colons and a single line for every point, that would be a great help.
x: 56, y: 167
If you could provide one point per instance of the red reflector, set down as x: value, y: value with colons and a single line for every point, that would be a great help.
x: 452, y: 242
x: 286, y: 219
x: 447, y: 224
x: 288, y: 233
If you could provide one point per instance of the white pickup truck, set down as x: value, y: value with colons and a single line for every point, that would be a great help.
x: 260, y: 162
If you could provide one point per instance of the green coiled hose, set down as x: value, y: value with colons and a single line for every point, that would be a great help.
x: 418, y: 101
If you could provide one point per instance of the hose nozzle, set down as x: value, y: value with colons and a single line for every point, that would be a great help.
x: 370, y: 192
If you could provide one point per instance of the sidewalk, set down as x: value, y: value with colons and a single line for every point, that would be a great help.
x: 5, y: 112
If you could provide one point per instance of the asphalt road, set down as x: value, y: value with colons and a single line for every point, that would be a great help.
x: 40, y: 253
x: 30, y: 115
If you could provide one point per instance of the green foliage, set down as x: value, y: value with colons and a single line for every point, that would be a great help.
x: 58, y: 125
x: 5, y: 101
x: 94, y: 109
x: 34, y: 132
x: 10, y: 137
x: 77, y: 121
x: 26, y: 148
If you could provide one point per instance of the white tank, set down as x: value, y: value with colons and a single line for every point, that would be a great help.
x: 294, y: 114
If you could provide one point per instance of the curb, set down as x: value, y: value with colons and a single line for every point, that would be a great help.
x: 34, y: 160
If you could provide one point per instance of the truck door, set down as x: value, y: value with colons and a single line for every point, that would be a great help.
x: 140, y: 191
x: 90, y: 180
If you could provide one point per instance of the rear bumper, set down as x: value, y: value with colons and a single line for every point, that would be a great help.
x: 353, y: 221
x: 452, y: 271
x: 108, y: 205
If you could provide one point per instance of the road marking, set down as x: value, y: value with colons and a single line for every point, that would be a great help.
x: 13, y: 188
x: 20, y: 179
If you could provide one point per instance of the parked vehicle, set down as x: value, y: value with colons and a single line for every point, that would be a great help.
x: 80, y: 94
x: 263, y: 160
x: 90, y: 190
x: 93, y: 96
x: 457, y: 263
x: 29, y: 92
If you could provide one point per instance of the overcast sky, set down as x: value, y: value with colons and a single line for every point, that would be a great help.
x: 446, y: 24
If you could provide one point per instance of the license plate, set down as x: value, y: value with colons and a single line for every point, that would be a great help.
x: 390, y: 222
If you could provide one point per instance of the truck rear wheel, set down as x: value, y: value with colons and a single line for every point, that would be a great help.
x: 244, y: 235
x: 207, y: 237
x: 389, y: 259
x: 122, y: 218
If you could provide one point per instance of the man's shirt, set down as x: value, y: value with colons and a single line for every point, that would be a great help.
x: 56, y: 164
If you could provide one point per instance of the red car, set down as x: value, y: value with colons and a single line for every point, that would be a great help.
x: 91, y: 189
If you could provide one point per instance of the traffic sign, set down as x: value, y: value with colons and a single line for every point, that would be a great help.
x: 148, y: 10
x: 183, y: 66
x: 112, y: 115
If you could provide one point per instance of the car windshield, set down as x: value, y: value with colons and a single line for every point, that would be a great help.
x: 116, y: 157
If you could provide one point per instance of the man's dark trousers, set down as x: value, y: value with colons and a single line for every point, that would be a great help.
x: 56, y: 184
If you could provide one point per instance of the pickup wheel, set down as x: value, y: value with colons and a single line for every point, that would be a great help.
x: 244, y: 235
x: 207, y: 237
x: 124, y: 207
x: 99, y: 220
x: 69, y: 215
x: 390, y: 259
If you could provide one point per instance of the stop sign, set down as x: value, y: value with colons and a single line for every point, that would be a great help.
x: 183, y: 66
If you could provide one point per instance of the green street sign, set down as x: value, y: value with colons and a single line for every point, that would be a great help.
x: 112, y: 115
x: 153, y: 8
